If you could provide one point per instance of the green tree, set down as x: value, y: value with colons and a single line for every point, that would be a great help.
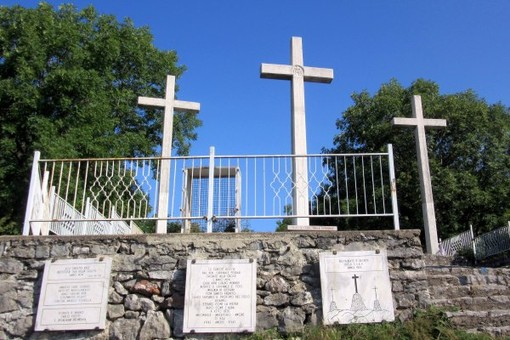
x: 69, y: 82
x: 469, y: 160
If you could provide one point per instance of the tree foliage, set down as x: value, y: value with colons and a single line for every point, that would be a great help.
x: 69, y: 82
x: 469, y: 160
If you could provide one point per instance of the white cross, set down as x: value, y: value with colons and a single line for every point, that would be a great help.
x: 169, y: 103
x: 429, y: 216
x: 297, y: 73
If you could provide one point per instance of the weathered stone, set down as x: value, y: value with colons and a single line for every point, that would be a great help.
x: 25, y: 298
x: 60, y: 250
x: 161, y: 275
x: 277, y: 299
x: 42, y: 252
x: 291, y: 320
x: 131, y: 314
x: 158, y: 299
x: 297, y: 287
x: 8, y: 302
x: 277, y: 285
x: 125, y: 329
x: 156, y: 326
x: 81, y: 250
x: 22, y: 326
x: 10, y: 266
x: 301, y: 299
x: 147, y: 304
x: 24, y: 252
x: 125, y: 263
x: 28, y: 274
x: 113, y: 297
x: 132, y: 302
x: 146, y: 288
x: 165, y: 289
x: 266, y: 317
x: 405, y: 300
x: 7, y: 285
x: 115, y: 311
x: 119, y: 288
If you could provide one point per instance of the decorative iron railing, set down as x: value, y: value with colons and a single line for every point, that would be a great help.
x: 96, y: 191
x: 491, y: 243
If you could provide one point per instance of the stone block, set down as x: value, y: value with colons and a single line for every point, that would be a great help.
x: 122, y: 329
x: 10, y: 265
x: 156, y: 326
x: 115, y: 311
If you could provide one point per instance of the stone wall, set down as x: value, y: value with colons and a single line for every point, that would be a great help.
x: 146, y: 297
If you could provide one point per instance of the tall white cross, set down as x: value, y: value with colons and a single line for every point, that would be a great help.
x: 429, y: 216
x: 297, y: 73
x: 169, y: 103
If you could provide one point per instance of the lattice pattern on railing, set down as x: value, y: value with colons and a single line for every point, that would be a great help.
x: 494, y: 242
x: 453, y: 245
x: 491, y: 243
x: 349, y: 185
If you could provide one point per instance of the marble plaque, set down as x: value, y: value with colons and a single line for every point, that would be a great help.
x: 220, y: 296
x: 311, y: 228
x: 74, y: 294
x: 356, y: 287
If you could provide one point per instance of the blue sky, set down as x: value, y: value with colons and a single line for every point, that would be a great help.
x: 460, y: 44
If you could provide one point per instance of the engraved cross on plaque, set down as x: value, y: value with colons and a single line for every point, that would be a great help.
x: 169, y: 103
x: 297, y: 73
x: 355, y: 278
x: 429, y: 216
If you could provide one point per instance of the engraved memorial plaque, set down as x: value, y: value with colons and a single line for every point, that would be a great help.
x: 220, y: 296
x: 356, y: 287
x: 74, y: 294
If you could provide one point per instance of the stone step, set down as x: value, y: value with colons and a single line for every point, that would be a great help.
x: 499, y: 320
x: 495, y: 331
x: 466, y: 278
x: 450, y: 291
x: 496, y: 302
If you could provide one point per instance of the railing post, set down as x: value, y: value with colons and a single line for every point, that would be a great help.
x: 164, y: 189
x: 210, y: 191
x: 393, y: 188
x: 473, y: 243
x: 34, y: 180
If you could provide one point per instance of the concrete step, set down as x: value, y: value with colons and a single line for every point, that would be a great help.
x: 493, y: 321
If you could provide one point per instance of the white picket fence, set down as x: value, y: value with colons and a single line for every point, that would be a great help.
x: 491, y: 243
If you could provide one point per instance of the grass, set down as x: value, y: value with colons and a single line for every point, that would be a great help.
x: 430, y: 324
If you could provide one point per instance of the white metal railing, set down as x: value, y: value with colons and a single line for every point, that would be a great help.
x: 491, y: 243
x: 240, y: 188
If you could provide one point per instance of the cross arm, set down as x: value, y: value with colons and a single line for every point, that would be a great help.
x: 318, y: 75
x: 187, y: 106
x: 275, y: 71
x: 433, y: 123
x: 148, y: 101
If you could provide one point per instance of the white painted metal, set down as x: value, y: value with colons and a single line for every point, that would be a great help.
x: 265, y: 189
x: 393, y: 188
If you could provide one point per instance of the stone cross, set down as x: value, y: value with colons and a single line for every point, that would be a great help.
x: 429, y: 216
x: 297, y: 73
x: 169, y: 103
